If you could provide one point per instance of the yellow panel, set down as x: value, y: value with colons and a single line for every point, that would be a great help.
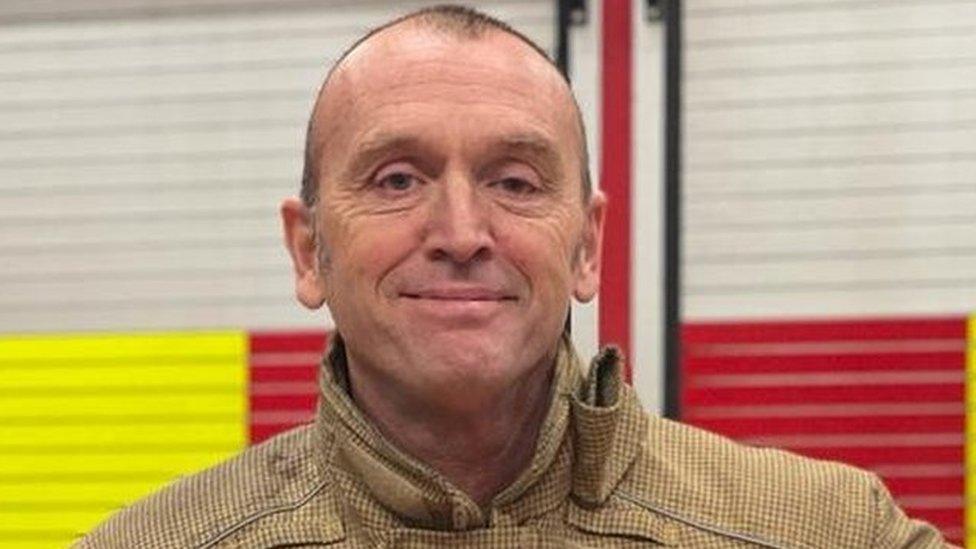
x: 970, y: 449
x: 51, y: 348
x: 109, y: 494
x: 56, y: 464
x: 45, y: 520
x: 131, y: 378
x: 15, y: 438
x: 101, y: 408
x: 90, y: 422
x: 122, y: 432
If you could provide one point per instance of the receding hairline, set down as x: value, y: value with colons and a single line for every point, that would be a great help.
x: 461, y: 23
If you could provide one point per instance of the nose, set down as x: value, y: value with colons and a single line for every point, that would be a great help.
x: 459, y: 229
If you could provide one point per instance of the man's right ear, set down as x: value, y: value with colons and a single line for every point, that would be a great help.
x: 297, y: 221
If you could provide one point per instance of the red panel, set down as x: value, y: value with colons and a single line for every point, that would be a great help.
x: 942, y: 518
x: 825, y: 330
x: 283, y: 373
x: 283, y: 402
x: 872, y: 457
x: 915, y: 486
x: 737, y: 396
x: 745, y: 427
x: 824, y: 362
x: 615, y: 160
x: 739, y: 351
x: 283, y: 369
x: 264, y: 432
x: 276, y: 342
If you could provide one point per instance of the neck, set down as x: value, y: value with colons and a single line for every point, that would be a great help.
x: 477, y: 439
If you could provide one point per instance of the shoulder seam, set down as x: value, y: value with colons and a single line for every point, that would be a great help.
x: 223, y: 534
x: 701, y: 525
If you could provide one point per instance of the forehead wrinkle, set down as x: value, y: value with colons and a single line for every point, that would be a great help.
x: 452, y: 67
x: 460, y: 89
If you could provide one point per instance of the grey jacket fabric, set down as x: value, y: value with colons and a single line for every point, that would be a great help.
x: 604, y: 474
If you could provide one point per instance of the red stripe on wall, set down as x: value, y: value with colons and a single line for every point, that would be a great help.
x: 738, y: 396
x: 947, y: 520
x: 871, y: 457
x: 823, y: 330
x: 283, y: 373
x: 298, y: 341
x: 743, y: 427
x: 914, y: 486
x: 824, y: 362
x: 615, y: 176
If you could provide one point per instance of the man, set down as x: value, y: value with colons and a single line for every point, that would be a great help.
x: 446, y: 219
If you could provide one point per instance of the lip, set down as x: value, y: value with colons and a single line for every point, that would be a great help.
x: 457, y: 306
x: 458, y: 294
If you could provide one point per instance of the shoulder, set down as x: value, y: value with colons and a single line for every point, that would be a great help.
x: 199, y: 509
x: 761, y: 495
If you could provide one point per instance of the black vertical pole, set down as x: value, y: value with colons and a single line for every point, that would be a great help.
x: 672, y: 209
x: 563, y: 19
x: 568, y: 13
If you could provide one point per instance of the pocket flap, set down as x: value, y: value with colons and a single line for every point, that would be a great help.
x: 623, y: 519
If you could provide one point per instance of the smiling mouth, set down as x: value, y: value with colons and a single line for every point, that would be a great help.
x: 459, y: 295
x: 435, y: 298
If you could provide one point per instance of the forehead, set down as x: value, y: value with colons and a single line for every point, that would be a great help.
x: 409, y: 77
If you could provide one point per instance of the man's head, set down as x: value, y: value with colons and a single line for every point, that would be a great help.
x: 464, y: 23
x: 447, y: 185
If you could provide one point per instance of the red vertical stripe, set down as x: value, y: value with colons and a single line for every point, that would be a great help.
x: 853, y: 329
x: 614, y: 308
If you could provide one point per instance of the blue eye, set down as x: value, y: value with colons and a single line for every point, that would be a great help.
x: 398, y: 181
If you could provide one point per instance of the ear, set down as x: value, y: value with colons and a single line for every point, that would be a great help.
x: 297, y: 221
x: 587, y: 268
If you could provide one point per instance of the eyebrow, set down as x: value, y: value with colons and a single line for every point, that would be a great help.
x: 536, y: 145
x: 373, y: 149
x: 531, y: 142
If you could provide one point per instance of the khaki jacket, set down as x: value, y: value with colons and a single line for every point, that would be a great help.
x: 604, y: 474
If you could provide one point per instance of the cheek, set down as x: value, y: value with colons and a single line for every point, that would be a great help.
x: 543, y: 251
x: 365, y: 250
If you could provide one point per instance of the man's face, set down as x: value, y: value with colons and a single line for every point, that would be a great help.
x: 450, y: 210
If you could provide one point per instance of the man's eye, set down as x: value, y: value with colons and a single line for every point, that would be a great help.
x: 515, y: 185
x: 397, y: 182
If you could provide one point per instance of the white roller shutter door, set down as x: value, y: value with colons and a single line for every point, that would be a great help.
x: 829, y: 158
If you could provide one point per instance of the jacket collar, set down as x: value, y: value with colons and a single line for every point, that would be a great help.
x: 591, y: 434
x: 609, y: 429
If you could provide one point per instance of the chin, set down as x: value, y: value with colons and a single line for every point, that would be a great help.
x: 472, y: 360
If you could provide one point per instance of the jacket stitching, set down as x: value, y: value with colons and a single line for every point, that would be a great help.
x: 701, y: 525
x: 224, y: 534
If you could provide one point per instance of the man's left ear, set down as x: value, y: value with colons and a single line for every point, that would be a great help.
x: 587, y: 275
